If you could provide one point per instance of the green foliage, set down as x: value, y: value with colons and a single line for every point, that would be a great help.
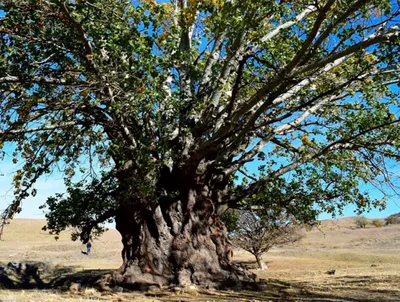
x: 361, y: 222
x: 230, y: 219
x: 84, y: 209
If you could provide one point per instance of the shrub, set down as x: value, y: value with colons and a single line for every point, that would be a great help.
x: 377, y: 223
x: 361, y: 222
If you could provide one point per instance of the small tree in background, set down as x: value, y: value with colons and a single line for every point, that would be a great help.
x: 257, y: 233
x: 361, y: 222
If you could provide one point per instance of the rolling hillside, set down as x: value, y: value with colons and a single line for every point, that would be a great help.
x: 23, y: 239
x: 366, y: 263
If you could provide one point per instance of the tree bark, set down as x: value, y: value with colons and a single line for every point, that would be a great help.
x: 261, y: 264
x: 179, y: 241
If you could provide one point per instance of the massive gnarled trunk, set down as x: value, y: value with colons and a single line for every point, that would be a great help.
x: 174, y: 240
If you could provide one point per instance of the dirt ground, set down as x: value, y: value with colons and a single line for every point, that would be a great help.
x: 366, y: 264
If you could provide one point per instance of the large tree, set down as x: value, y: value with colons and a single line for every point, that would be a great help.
x: 176, y: 99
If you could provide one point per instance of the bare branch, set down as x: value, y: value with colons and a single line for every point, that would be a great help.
x: 277, y: 30
x: 37, y: 129
x: 314, y: 31
x: 43, y: 80
x: 387, y: 36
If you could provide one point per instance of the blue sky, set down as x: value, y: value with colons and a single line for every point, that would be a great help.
x: 393, y: 203
x: 46, y: 186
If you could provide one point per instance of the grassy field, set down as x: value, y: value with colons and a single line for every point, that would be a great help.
x: 366, y: 261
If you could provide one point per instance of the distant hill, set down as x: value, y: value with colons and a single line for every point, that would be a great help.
x: 343, y: 233
x: 397, y: 215
x: 25, y: 229
x: 339, y: 233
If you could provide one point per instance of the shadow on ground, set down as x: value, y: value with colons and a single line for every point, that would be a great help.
x: 41, y: 275
x: 344, y: 288
x: 277, y: 290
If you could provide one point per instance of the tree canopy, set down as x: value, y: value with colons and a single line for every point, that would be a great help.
x: 178, y: 99
x: 295, y: 84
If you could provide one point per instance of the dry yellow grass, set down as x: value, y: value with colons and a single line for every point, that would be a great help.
x: 24, y: 240
x: 53, y: 296
x: 367, y: 264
